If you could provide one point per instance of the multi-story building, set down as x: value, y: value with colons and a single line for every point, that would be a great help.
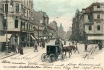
x: 94, y: 22
x: 19, y: 21
x: 55, y: 27
x: 51, y: 31
x: 90, y: 23
x: 75, y: 26
x: 41, y: 21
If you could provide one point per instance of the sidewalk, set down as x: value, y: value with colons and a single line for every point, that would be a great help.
x: 25, y: 50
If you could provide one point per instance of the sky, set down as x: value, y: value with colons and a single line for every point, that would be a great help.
x: 62, y: 11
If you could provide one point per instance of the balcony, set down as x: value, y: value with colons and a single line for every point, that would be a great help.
x: 13, y: 29
x: 27, y: 30
x: 98, y: 9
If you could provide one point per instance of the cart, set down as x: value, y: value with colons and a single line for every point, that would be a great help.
x: 52, y: 54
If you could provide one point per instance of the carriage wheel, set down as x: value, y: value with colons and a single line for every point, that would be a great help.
x: 51, y: 58
x: 43, y: 57
x: 62, y: 57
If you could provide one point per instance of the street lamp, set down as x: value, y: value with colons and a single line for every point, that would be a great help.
x: 38, y: 34
x: 6, y: 13
x: 84, y: 37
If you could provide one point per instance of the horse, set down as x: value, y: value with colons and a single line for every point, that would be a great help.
x: 68, y: 49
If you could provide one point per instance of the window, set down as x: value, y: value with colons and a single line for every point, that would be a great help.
x: 17, y: 7
x: 16, y: 37
x: 6, y: 8
x: 27, y: 13
x: 98, y: 16
x: 24, y: 25
x: 98, y: 27
x: 3, y: 7
x: 90, y: 27
x: 27, y: 25
x: 16, y: 23
x: 21, y: 24
x: 98, y: 6
x: 88, y: 17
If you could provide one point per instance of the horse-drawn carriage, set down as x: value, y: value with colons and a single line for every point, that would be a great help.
x: 53, y: 53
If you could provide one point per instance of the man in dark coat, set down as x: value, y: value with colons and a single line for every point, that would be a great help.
x: 21, y: 50
x: 43, y: 44
x: 100, y: 45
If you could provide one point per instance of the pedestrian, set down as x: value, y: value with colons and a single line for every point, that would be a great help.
x: 35, y: 46
x: 73, y: 43
x: 76, y: 48
x: 64, y: 42
x: 57, y: 42
x: 43, y: 44
x: 86, y: 47
x: 21, y: 50
x: 14, y: 48
x: 100, y: 45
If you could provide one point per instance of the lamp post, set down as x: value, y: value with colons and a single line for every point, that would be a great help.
x: 38, y: 34
x: 84, y: 37
x: 6, y: 12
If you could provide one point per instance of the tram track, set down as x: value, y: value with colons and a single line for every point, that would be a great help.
x: 18, y: 55
x: 38, y: 58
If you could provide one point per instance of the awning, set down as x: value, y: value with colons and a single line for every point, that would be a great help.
x: 3, y: 38
x: 95, y: 37
x: 33, y: 37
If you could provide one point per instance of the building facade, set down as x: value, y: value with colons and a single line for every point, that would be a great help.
x: 90, y: 23
x: 19, y: 21
x: 53, y: 24
x: 2, y: 25
x: 41, y: 21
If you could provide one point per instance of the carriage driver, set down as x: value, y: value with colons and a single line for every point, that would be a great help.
x: 61, y: 46
x: 59, y: 43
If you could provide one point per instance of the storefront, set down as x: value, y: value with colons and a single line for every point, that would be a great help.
x: 95, y: 39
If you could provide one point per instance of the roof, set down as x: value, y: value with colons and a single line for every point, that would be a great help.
x: 87, y: 10
x: 50, y: 27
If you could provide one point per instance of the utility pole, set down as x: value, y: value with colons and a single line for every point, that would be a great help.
x: 38, y: 34
x: 6, y: 12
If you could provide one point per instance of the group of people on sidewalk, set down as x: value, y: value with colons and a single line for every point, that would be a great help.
x: 13, y: 48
